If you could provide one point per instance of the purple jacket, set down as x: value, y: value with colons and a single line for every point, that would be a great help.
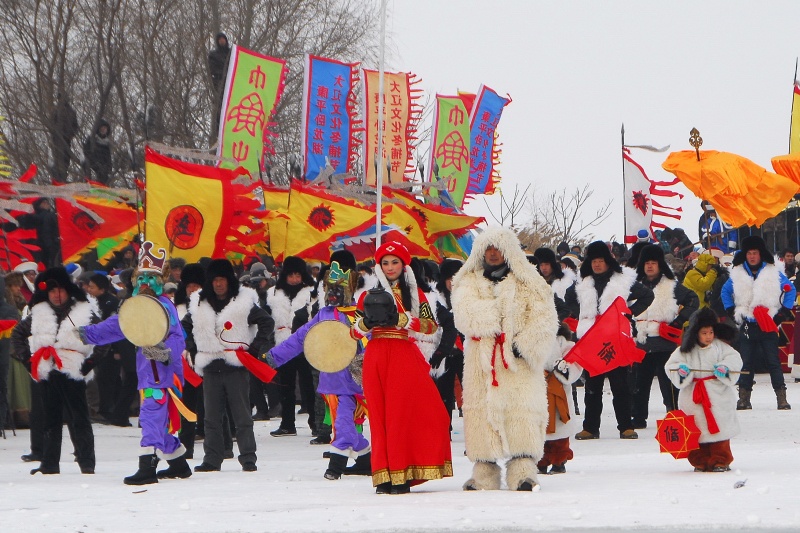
x: 108, y: 331
x: 339, y: 383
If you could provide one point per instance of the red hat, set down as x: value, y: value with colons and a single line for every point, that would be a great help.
x: 393, y: 248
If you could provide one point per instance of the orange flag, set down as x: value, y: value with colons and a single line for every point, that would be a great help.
x: 80, y: 232
x: 742, y: 192
x: 317, y: 218
x: 408, y: 229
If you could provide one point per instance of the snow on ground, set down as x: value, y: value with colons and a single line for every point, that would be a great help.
x: 611, y: 484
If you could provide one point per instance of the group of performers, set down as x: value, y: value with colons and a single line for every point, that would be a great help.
x: 505, y: 321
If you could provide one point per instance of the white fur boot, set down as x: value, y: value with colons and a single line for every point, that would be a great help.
x: 485, y: 476
x: 521, y: 473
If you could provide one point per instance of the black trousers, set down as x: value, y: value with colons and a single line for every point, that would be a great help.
x: 756, y: 346
x: 231, y: 385
x: 446, y: 383
x: 593, y: 399
x: 288, y: 375
x: 62, y: 395
x: 323, y: 429
x: 651, y: 366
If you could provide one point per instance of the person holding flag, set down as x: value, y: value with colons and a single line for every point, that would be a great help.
x: 603, y: 280
x: 225, y: 324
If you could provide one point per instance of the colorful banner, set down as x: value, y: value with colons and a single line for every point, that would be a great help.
x: 794, y: 134
x: 400, y: 115
x: 640, y: 206
x: 329, y: 116
x: 197, y: 211
x: 317, y: 218
x: 81, y: 233
x: 253, y: 88
x: 484, y: 152
x: 437, y: 221
x: 450, y: 141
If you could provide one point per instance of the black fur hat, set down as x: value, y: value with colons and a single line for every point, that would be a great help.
x: 220, y: 268
x: 633, y: 254
x: 753, y: 242
x: 702, y: 318
x: 52, y: 278
x: 447, y: 269
x: 546, y: 255
x: 193, y: 273
x: 294, y: 265
x: 653, y: 252
x: 598, y: 250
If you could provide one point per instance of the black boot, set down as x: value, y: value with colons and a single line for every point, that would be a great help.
x: 336, y: 466
x: 178, y: 469
x: 146, y: 473
x: 363, y: 466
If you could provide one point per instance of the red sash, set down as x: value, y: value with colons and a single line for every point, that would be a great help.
x: 260, y: 370
x: 45, y: 352
x: 700, y: 396
x: 499, y: 340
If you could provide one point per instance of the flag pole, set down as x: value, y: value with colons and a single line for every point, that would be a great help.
x: 624, y: 199
x: 379, y: 155
x: 791, y: 115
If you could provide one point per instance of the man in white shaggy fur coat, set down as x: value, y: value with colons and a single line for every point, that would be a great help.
x: 507, y: 314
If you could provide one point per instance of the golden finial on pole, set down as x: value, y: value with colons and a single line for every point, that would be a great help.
x: 696, y: 141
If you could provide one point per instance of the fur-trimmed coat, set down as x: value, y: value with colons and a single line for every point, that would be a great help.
x: 673, y: 304
x: 720, y: 390
x: 251, y: 326
x: 622, y: 284
x: 744, y: 292
x: 574, y: 371
x: 283, y: 310
x: 41, y: 328
x: 507, y: 419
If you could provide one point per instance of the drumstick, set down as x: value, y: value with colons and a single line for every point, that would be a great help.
x: 711, y: 371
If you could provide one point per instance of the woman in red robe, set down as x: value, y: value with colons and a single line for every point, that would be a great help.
x: 409, y: 426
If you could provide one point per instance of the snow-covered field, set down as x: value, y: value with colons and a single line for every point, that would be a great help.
x: 611, y: 484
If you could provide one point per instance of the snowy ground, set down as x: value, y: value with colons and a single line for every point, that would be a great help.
x: 610, y: 485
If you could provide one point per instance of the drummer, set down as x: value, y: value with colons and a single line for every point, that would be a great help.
x: 159, y: 369
x: 341, y: 390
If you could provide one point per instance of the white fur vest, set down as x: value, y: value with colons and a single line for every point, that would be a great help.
x: 663, y: 309
x: 46, y: 331
x: 428, y: 343
x: 207, y: 326
x: 283, y: 310
x: 560, y: 286
x: 619, y: 285
x: 749, y: 292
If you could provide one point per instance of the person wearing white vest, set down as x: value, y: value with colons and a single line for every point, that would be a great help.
x: 602, y: 281
x: 658, y: 331
x: 757, y: 296
x: 224, y: 319
x: 48, y: 344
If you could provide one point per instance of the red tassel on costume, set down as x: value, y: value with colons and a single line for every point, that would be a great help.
x: 764, y: 320
x: 190, y: 375
x: 260, y: 370
x: 700, y: 396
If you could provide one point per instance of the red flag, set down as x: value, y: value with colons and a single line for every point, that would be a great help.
x: 608, y: 344
x: 677, y: 434
x: 80, y: 232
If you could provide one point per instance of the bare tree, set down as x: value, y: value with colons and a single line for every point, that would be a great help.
x: 510, y: 209
x: 142, y: 66
x: 562, y: 216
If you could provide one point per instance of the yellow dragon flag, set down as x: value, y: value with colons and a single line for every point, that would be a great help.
x: 197, y: 211
x: 437, y: 220
x: 317, y: 218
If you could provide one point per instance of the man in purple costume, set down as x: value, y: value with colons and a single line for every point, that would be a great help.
x: 159, y: 369
x: 340, y: 284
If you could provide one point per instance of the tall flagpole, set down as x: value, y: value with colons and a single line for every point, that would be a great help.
x: 791, y: 115
x: 379, y: 155
x: 624, y: 197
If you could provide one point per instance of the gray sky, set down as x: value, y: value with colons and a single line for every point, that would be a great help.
x: 577, y: 70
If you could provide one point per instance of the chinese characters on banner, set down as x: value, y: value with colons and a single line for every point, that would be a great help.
x: 450, y: 140
x: 253, y: 88
x: 328, y: 115
x: 400, y: 117
x: 483, y: 153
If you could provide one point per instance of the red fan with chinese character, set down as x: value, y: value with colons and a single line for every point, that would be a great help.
x: 677, y: 434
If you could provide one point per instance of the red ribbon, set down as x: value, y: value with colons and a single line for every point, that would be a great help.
x: 764, y: 320
x: 45, y: 352
x: 499, y: 340
x: 700, y: 396
x: 190, y: 375
x: 260, y: 370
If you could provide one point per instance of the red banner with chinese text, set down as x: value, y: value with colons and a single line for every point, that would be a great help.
x: 401, y: 113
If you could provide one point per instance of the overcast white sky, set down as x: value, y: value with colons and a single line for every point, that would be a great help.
x: 577, y: 70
